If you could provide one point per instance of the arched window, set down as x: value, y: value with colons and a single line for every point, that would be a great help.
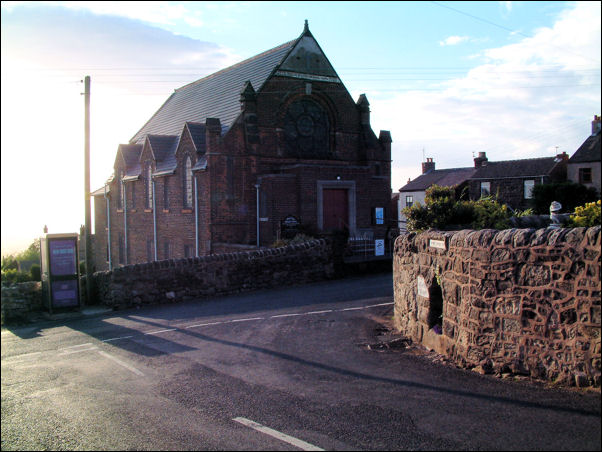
x: 120, y: 190
x: 306, y: 130
x: 149, y: 188
x: 188, y: 183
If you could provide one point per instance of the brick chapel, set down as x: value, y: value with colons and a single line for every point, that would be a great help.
x: 238, y: 158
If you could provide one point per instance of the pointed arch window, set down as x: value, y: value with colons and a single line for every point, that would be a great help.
x: 149, y: 188
x: 188, y: 183
x: 120, y: 191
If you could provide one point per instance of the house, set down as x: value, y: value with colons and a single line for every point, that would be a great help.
x: 512, y: 181
x: 584, y: 165
x: 267, y: 147
x: 415, y: 190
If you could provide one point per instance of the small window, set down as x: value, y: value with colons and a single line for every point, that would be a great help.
x: 585, y: 175
x: 165, y: 193
x: 528, y: 188
x: 188, y: 183
x: 409, y: 200
x: 485, y: 189
x: 149, y: 188
x: 167, y: 249
x: 121, y: 250
x: 149, y: 251
x: 133, y: 204
x: 120, y: 191
x: 188, y: 251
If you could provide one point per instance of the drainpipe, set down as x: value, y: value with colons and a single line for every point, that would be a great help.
x: 154, y: 217
x: 125, y: 219
x: 196, y: 216
x: 109, y: 228
x: 257, y: 188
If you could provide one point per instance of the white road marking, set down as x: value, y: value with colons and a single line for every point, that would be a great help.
x: 276, y: 434
x: 318, y: 312
x: 381, y: 304
x: 203, y: 324
x: 17, y: 359
x: 352, y: 309
x: 246, y: 320
x: 80, y: 350
x: 284, y: 315
x: 75, y: 346
x: 161, y: 331
x: 121, y: 363
x: 117, y: 338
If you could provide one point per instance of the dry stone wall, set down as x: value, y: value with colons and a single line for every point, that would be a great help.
x: 176, y: 280
x: 520, y: 300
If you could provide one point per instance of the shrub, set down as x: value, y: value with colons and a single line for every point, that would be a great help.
x: 569, y: 194
x: 587, y: 215
x: 442, y: 211
x: 12, y: 275
x: 35, y: 272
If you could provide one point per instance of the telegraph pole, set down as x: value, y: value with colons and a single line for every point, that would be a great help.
x: 88, y: 240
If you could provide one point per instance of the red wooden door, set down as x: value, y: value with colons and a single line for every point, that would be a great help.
x: 335, y: 208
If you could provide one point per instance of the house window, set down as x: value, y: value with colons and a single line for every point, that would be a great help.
x: 528, y: 188
x: 167, y: 249
x: 149, y: 251
x: 409, y: 200
x: 165, y: 193
x: 188, y: 184
x: 133, y: 206
x: 149, y: 187
x: 585, y: 175
x: 485, y: 189
x: 121, y: 250
x: 120, y: 192
x: 187, y: 251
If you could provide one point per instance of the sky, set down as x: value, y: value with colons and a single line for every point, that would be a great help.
x: 447, y: 79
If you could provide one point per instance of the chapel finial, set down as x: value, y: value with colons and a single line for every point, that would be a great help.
x: 306, y: 27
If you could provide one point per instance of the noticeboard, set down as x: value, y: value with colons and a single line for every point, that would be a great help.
x: 60, y: 272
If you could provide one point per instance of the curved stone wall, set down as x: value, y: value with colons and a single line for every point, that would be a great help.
x: 519, y: 300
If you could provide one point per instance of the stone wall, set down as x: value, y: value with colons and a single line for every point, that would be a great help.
x: 18, y: 300
x: 521, y: 300
x: 185, y: 279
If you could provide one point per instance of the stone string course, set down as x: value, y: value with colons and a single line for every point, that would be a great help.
x: 520, y: 300
x: 176, y: 280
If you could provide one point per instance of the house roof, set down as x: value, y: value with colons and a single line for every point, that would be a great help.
x: 443, y: 177
x: 131, y: 157
x: 589, y: 151
x: 516, y: 168
x: 214, y: 96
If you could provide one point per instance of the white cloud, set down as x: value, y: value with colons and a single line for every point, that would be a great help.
x: 453, y: 40
x: 529, y: 98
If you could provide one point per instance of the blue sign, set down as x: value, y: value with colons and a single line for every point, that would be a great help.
x: 63, y: 257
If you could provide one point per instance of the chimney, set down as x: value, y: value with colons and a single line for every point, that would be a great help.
x: 596, y: 125
x: 562, y: 157
x: 428, y: 166
x: 481, y: 160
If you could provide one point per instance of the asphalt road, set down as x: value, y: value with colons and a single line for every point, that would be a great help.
x: 301, y: 368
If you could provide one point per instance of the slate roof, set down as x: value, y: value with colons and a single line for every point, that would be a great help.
x: 516, y: 168
x: 197, y: 133
x: 164, y: 149
x: 589, y: 151
x: 214, y: 96
x: 131, y: 156
x: 443, y: 177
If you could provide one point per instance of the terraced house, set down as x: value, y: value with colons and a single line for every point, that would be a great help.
x: 239, y: 157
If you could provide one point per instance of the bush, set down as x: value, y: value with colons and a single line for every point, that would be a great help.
x: 35, y: 271
x: 569, y: 194
x: 12, y: 275
x: 587, y: 215
x: 442, y: 211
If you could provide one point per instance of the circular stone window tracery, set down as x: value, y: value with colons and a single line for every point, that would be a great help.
x: 306, y: 130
